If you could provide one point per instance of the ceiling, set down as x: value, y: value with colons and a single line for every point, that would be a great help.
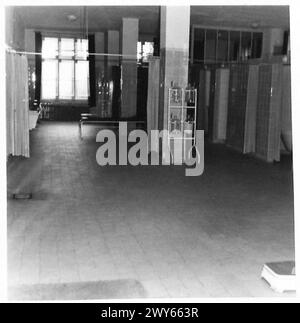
x: 241, y: 16
x: 101, y: 18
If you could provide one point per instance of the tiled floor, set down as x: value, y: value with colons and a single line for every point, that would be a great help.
x: 204, y: 236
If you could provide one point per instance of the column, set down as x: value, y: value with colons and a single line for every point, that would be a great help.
x: 130, y: 34
x: 174, y: 53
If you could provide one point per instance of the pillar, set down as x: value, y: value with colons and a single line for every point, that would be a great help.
x: 130, y: 34
x: 174, y: 53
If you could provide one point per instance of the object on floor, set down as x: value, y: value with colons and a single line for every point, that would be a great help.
x: 22, y: 196
x: 33, y: 119
x: 280, y: 275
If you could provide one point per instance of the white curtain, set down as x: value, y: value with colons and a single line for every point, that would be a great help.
x: 17, y: 109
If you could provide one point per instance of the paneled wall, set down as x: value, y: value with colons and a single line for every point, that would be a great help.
x: 250, y: 110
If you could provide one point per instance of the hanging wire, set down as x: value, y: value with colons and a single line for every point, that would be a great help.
x: 11, y: 50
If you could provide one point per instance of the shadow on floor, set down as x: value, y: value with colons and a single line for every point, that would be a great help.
x: 114, y: 289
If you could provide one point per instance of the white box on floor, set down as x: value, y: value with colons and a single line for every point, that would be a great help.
x: 280, y: 275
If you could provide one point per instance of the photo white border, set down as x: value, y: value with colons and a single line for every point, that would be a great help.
x: 295, y: 52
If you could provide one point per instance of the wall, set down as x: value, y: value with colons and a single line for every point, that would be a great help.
x: 273, y: 38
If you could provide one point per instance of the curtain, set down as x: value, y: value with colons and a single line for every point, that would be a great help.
x: 38, y: 66
x: 17, y: 105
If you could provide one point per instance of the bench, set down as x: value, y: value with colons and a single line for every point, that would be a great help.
x: 89, y: 118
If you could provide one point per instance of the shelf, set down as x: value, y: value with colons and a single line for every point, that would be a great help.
x: 182, y: 111
x: 182, y: 106
x: 182, y: 138
x: 181, y: 121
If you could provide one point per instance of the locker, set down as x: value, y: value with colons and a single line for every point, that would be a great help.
x: 220, y: 105
x: 241, y: 124
x: 268, y: 119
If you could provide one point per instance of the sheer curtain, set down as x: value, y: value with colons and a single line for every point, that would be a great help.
x: 17, y: 109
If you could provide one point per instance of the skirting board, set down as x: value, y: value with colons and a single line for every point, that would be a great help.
x: 280, y: 275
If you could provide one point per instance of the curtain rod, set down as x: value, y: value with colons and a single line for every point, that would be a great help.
x: 10, y: 50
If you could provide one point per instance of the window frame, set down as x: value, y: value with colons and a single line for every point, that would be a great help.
x: 58, y: 58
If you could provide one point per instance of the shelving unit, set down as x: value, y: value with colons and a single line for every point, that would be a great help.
x: 182, y: 115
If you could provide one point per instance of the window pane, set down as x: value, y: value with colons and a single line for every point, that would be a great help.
x: 148, y: 50
x: 199, y: 38
x: 234, y: 45
x: 49, y: 47
x: 210, y: 47
x: 82, y: 80
x: 246, y: 45
x: 49, y: 79
x: 67, y: 47
x: 139, y: 51
x: 257, y: 45
x: 222, y: 54
x: 81, y: 49
x: 66, y: 74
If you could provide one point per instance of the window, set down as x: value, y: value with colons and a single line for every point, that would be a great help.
x: 222, y: 51
x: 144, y: 50
x: 65, y: 69
x: 211, y: 45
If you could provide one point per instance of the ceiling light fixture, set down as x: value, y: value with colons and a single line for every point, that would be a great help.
x: 71, y: 17
x: 255, y: 25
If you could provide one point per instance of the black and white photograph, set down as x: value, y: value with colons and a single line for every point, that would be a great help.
x: 148, y: 152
